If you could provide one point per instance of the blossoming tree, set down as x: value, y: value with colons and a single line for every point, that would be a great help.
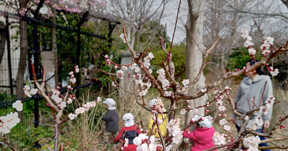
x: 177, y: 94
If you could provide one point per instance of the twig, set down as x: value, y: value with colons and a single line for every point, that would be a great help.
x: 171, y: 45
x: 204, y: 63
x: 222, y: 146
x: 159, y: 133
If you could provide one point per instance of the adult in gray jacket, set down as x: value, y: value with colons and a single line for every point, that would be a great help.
x: 249, y: 97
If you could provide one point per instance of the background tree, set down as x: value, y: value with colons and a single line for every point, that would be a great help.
x: 23, y: 51
x: 134, y: 14
x: 2, y: 40
x: 194, y: 51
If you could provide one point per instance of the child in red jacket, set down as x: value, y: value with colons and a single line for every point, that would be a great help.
x: 202, y: 135
x: 128, y: 132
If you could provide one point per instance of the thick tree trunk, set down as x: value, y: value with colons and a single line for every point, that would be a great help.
x: 54, y: 49
x: 23, y: 54
x: 2, y: 40
x: 194, y: 51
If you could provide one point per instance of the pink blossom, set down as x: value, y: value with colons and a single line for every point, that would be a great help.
x: 22, y: 12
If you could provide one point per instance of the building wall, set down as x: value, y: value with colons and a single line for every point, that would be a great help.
x: 15, y: 51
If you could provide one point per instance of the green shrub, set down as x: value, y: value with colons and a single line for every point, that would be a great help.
x: 178, y: 59
x: 239, y: 58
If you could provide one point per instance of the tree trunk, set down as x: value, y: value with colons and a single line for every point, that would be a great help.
x: 2, y: 40
x: 23, y: 54
x: 54, y: 49
x: 194, y: 52
x: 56, y: 129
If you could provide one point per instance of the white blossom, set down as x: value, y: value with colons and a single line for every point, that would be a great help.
x: 252, y: 51
x: 222, y: 108
x: 167, y: 93
x: 56, y: 98
x: 150, y: 55
x: 265, y: 52
x: 120, y: 74
x: 219, y: 102
x: 72, y: 116
x: 245, y: 33
x: 227, y: 88
x: 62, y: 105
x: 177, y: 138
x: 169, y: 147
x: 209, y: 118
x: 274, y: 72
x: 73, y: 80
x: 227, y: 128
x: 8, y: 122
x: 270, y: 102
x: 76, y: 68
x: 185, y: 82
x: 99, y: 99
x: 122, y: 37
x: 124, y: 68
x: 219, y: 139
x: 223, y: 122
x: 27, y: 87
x: 183, y: 111
x: 251, y: 141
x: 246, y: 118
x: 137, y: 141
x: 150, y: 71
x: 114, y: 84
x: 33, y: 91
x: 137, y: 69
x: 203, y: 90
x: 70, y: 100
x: 27, y: 93
x: 18, y: 105
x: 248, y: 43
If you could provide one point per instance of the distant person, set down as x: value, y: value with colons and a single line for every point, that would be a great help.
x: 202, y: 136
x: 112, y: 120
x: 252, y: 87
x: 158, y: 106
x: 129, y: 132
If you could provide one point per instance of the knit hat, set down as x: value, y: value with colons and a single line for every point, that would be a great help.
x: 111, y: 103
x: 202, y: 121
x: 128, y: 119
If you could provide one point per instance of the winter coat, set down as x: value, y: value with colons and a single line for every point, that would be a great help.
x: 249, y: 90
x: 112, y: 120
x: 130, y: 133
x: 162, y: 126
x: 202, y: 138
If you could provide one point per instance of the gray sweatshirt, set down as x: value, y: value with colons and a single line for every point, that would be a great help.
x: 112, y: 120
x: 253, y: 90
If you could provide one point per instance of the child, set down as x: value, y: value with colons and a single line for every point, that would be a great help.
x: 202, y: 135
x: 158, y: 106
x: 129, y: 131
x: 111, y: 118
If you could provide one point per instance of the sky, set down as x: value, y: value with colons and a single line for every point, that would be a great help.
x: 172, y: 7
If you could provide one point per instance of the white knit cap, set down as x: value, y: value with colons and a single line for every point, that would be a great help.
x: 128, y: 119
x: 111, y: 103
x: 202, y: 120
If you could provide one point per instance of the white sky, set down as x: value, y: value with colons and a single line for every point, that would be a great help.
x: 171, y: 11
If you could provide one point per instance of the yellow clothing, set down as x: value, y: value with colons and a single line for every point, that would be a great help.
x: 162, y: 126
